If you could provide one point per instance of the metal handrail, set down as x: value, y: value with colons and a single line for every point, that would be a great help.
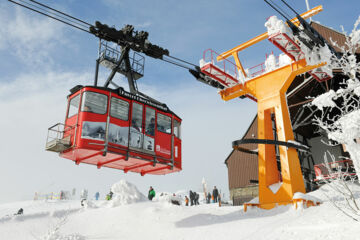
x: 227, y: 66
x: 137, y: 60
x: 58, y: 130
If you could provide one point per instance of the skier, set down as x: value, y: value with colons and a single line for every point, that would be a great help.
x: 186, y: 201
x: 215, y: 194
x: 151, y: 194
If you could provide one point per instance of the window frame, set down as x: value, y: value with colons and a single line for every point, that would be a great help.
x: 69, y: 106
x: 179, y: 129
x: 128, y: 108
x: 82, y: 101
x: 157, y: 123
x: 142, y: 115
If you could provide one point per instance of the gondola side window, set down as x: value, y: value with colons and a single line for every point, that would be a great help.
x: 74, y: 106
x: 177, y: 129
x: 163, y: 123
x: 136, y: 120
x: 119, y: 109
x: 94, y: 102
x: 150, y: 122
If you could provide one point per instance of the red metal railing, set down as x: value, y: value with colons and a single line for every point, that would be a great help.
x: 260, y: 68
x: 346, y: 168
x: 225, y: 65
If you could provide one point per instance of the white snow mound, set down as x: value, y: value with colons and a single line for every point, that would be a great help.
x: 125, y: 193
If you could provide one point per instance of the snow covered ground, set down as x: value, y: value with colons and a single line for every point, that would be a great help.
x: 159, y: 219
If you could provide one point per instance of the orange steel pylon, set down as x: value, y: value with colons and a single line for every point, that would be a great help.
x: 270, y: 91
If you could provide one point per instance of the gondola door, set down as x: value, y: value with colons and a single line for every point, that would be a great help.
x: 163, y: 140
x: 177, y: 142
x: 119, y: 123
x: 149, y: 134
x: 71, y: 121
x: 136, y: 126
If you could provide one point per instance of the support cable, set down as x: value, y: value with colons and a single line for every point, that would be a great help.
x: 80, y: 24
x: 277, y: 10
x: 32, y: 9
x: 61, y: 12
x: 290, y: 7
x: 54, y: 14
x: 180, y: 60
x: 280, y: 9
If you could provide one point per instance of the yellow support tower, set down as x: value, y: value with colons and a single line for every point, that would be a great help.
x: 270, y: 91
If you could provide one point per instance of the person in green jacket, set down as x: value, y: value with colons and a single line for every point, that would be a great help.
x: 151, y: 194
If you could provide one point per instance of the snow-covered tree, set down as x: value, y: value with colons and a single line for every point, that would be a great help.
x: 337, y: 114
x: 341, y: 182
x: 339, y: 111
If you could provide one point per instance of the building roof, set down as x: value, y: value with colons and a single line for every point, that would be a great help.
x: 331, y: 35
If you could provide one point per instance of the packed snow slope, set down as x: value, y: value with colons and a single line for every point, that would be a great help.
x: 132, y: 216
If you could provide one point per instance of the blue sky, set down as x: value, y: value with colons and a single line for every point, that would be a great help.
x: 42, y: 59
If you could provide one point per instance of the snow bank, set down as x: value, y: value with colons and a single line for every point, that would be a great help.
x: 327, y: 192
x: 300, y: 195
x: 125, y: 193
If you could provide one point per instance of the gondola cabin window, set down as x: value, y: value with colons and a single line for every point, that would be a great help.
x: 136, y: 137
x: 94, y: 102
x: 119, y: 109
x: 74, y: 106
x: 149, y: 129
x: 150, y: 122
x: 177, y: 129
x: 163, y: 123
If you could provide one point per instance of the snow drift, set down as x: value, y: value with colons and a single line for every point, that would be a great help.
x: 125, y: 193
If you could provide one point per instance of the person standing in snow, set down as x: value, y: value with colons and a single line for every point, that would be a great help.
x: 97, y: 195
x: 208, y: 198
x: 186, y: 201
x: 192, y: 197
x: 151, y: 194
x: 196, y: 200
x: 215, y: 194
x: 109, y: 195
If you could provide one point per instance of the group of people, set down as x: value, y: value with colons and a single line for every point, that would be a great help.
x: 214, y: 197
x: 194, y: 197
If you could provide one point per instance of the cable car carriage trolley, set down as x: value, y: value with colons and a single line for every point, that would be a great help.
x: 117, y: 129
x: 114, y: 128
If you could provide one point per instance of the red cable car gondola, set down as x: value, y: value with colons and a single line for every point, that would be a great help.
x: 111, y: 127
x: 117, y: 129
